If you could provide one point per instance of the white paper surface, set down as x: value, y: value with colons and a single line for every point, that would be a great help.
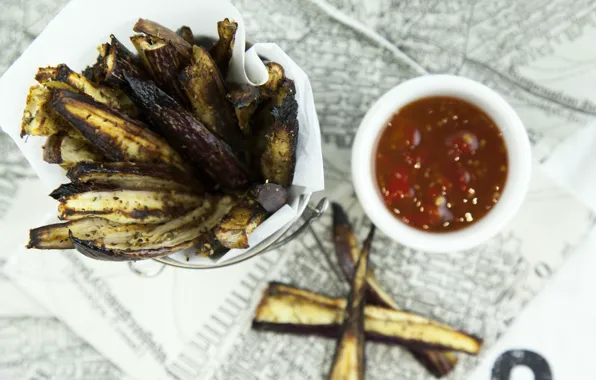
x: 77, y: 50
x: 573, y: 164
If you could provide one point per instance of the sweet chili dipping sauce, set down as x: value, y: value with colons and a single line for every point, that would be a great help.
x: 441, y: 164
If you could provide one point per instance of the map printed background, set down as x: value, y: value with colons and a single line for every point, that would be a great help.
x: 536, y: 59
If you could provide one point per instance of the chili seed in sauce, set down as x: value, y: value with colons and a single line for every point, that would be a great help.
x: 441, y: 164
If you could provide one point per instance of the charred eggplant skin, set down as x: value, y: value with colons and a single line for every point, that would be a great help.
x: 203, y: 148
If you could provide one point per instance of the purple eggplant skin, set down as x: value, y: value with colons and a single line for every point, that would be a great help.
x: 203, y: 148
x: 270, y: 196
x: 89, y: 249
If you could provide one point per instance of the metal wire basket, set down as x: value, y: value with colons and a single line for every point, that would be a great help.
x: 281, y: 237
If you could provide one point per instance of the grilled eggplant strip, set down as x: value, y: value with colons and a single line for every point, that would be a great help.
x: 119, y: 61
x: 245, y: 99
x: 128, y: 206
x: 178, y: 234
x: 186, y: 33
x: 56, y: 236
x: 222, y: 50
x: 67, y: 151
x: 62, y: 76
x: 159, y: 31
x: 132, y: 175
x: 284, y: 308
x: 348, y: 362
x: 164, y: 63
x: 347, y: 250
x: 203, y: 148
x: 206, y: 91
x: 278, y: 138
x: 233, y: 231
x: 38, y: 119
x: 117, y: 136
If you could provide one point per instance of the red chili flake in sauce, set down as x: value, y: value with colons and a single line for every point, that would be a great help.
x: 441, y: 164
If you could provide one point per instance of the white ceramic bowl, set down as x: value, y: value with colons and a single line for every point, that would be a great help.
x: 516, y: 140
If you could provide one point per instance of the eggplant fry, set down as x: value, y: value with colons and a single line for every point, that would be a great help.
x: 176, y: 235
x: 131, y: 175
x: 128, y: 206
x: 287, y: 309
x: 67, y: 151
x: 206, y: 91
x: 62, y: 76
x: 186, y: 33
x: 116, y: 135
x: 119, y: 61
x: 201, y: 147
x: 38, y: 119
x: 56, y: 236
x: 235, y: 228
x: 222, y: 50
x: 164, y: 63
x: 245, y: 99
x: 159, y: 31
x: 278, y: 137
x: 348, y: 362
x: 347, y: 250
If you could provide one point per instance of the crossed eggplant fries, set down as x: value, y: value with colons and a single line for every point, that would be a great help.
x: 163, y: 154
x: 368, y: 313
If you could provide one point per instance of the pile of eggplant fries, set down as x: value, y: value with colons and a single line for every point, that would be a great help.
x: 163, y: 153
x: 368, y: 313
